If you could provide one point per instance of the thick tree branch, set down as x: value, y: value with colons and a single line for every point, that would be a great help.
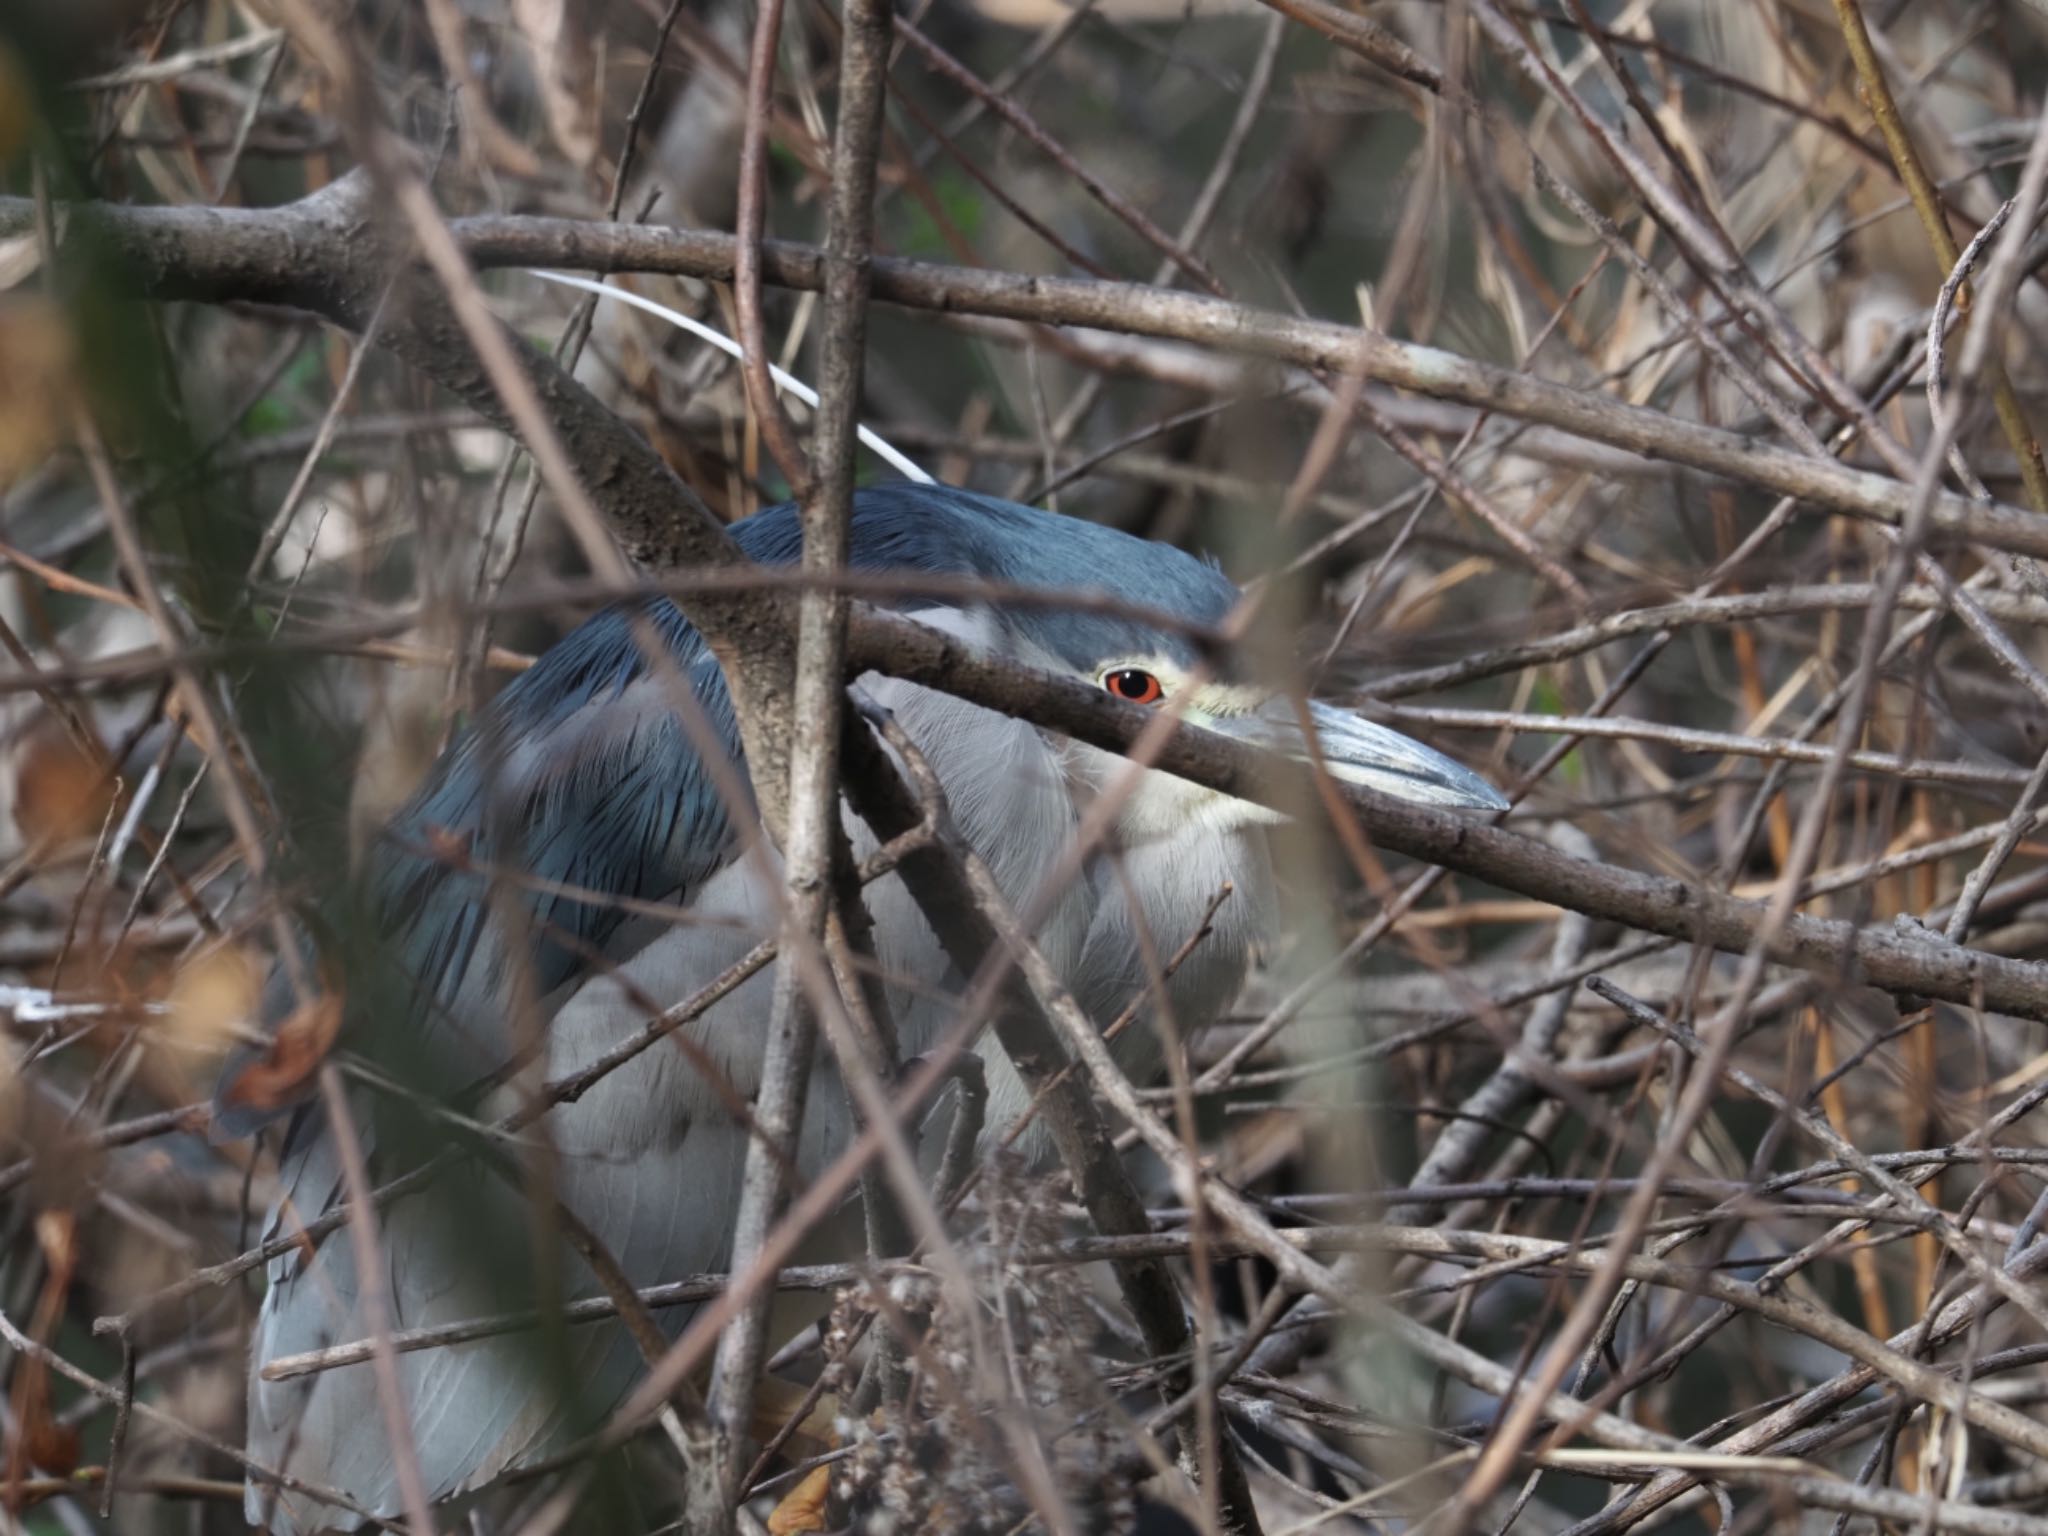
x: 320, y: 254
x: 1904, y: 959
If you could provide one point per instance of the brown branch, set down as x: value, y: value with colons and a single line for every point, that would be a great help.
x: 814, y: 841
x: 1821, y: 1203
x: 1902, y: 960
x: 20, y: 1342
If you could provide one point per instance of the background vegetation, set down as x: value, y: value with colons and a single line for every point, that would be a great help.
x: 1643, y: 493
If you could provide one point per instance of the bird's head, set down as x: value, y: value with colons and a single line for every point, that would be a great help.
x: 1351, y: 748
x: 1157, y: 651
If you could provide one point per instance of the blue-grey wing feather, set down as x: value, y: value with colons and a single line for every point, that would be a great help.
x: 581, y: 777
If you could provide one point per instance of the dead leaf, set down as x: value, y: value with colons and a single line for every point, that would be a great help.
x: 46, y: 1441
x: 301, y: 1043
x: 42, y: 1439
x: 803, y: 1507
x: 212, y: 997
x: 61, y: 790
x: 57, y: 1232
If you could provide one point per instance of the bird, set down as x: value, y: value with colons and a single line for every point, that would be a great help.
x: 570, y: 860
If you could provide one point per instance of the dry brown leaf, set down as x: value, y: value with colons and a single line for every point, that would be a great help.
x: 61, y: 792
x: 296, y: 1051
x: 57, y: 1232
x: 212, y: 996
x: 43, y: 1440
x: 803, y: 1507
x: 46, y: 1441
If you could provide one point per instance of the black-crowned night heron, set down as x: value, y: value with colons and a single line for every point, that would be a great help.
x: 579, y: 787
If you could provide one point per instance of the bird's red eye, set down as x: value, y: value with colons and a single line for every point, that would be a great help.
x: 1133, y: 685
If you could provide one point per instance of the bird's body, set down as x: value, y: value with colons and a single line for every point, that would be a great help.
x: 580, y: 786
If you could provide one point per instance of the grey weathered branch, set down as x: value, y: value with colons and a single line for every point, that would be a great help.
x: 814, y: 842
x: 319, y: 254
x: 1903, y: 959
